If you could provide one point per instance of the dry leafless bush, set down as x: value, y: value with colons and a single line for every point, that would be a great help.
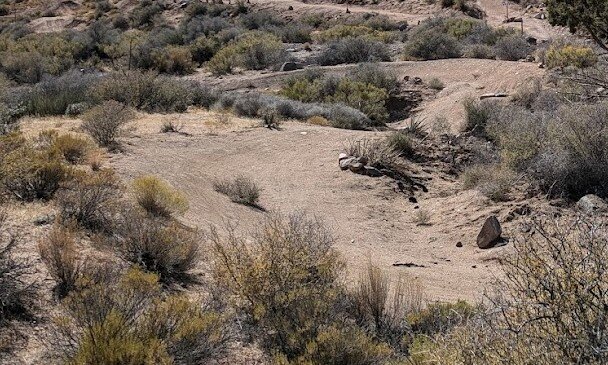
x: 90, y: 199
x: 62, y: 258
x: 105, y: 123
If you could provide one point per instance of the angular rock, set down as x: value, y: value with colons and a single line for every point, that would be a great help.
x: 356, y: 167
x: 345, y: 163
x: 591, y: 204
x: 490, y: 233
x: 372, y: 171
x: 342, y: 156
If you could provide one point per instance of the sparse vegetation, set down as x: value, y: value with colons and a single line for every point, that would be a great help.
x: 61, y: 257
x: 106, y: 122
x: 158, y: 198
x: 241, y: 190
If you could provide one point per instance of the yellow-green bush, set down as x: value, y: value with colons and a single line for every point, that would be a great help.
x: 284, y: 281
x: 174, y: 60
x: 570, y: 55
x: 344, y: 30
x: 74, y: 149
x: 365, y: 97
x: 158, y: 198
x: 125, y: 321
x: 493, y: 181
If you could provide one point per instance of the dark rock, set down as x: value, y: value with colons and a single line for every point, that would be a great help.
x: 490, y: 233
x: 356, y: 167
x: 458, y: 244
x: 372, y: 171
x: 290, y: 66
x: 413, y: 199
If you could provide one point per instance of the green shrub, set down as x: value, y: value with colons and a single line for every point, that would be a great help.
x: 241, y: 190
x: 105, y: 123
x: 512, y: 48
x: 74, y: 149
x: 341, y: 31
x: 124, y: 321
x: 158, y: 198
x: 173, y: 60
x: 477, y: 115
x: 376, y: 75
x: 436, y: 84
x: 365, y: 97
x: 52, y: 96
x: 284, y: 281
x: 401, y: 143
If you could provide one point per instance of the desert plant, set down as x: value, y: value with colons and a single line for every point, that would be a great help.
x: 353, y: 50
x: 74, y: 149
x: 167, y: 249
x: 493, y: 181
x: 436, y: 84
x: 59, y: 253
x: 122, y: 319
x: 53, y: 95
x: 254, y: 51
x: 158, y: 198
x: 570, y: 55
x: 431, y: 44
x: 241, y: 190
x: 90, y: 200
x: 17, y: 291
x: 422, y: 217
x: 105, y: 123
x: 401, y: 143
x: 376, y: 152
x: 477, y: 115
x: 511, y: 48
x: 284, y: 281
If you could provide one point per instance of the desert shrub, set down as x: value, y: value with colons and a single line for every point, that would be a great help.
x: 105, y: 123
x: 17, y: 292
x: 158, y: 198
x: 91, y: 200
x: 294, y: 33
x: 173, y: 60
x: 401, y: 143
x: 341, y: 31
x: 511, y: 48
x: 365, y: 97
x: 73, y: 149
x: 62, y: 258
x: 460, y: 28
x: 284, y: 282
x: 526, y: 94
x: 146, y: 14
x: 204, y: 96
x: 260, y: 19
x: 124, y: 320
x: 29, y: 173
x: 353, y: 50
x: 477, y: 115
x: 146, y: 91
x: 254, y: 51
x: 241, y: 190
x: 436, y: 84
x: 431, y: 44
x: 381, y: 307
x: 53, y: 95
x: 377, y: 152
x: 374, y: 74
x: 493, y: 181
x: 440, y: 318
x: 167, y: 249
x: 342, y: 116
x: 344, y: 345
x: 570, y: 55
x: 481, y: 51
x: 318, y: 120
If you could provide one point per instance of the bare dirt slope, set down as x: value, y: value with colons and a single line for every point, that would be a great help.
x: 297, y: 169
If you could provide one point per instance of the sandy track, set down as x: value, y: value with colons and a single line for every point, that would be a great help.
x: 297, y: 169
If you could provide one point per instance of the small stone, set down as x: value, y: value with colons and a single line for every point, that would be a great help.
x: 592, y: 203
x: 345, y: 163
x: 356, y: 167
x: 44, y: 219
x: 342, y: 156
x: 458, y: 244
x: 413, y: 199
x: 490, y: 233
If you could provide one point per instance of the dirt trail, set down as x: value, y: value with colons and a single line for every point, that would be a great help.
x: 297, y: 169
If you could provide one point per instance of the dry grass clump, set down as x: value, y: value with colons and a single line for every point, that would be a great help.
x: 377, y: 152
x: 401, y: 143
x: 241, y: 190
x: 493, y: 181
x: 124, y: 319
x: 106, y: 122
x: 158, y: 198
x: 318, y: 120
x: 62, y: 258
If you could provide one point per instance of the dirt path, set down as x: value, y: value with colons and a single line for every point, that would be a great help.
x: 297, y: 169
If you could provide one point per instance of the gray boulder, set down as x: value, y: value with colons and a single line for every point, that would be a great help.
x: 490, y: 233
x: 591, y: 204
x: 346, y: 162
